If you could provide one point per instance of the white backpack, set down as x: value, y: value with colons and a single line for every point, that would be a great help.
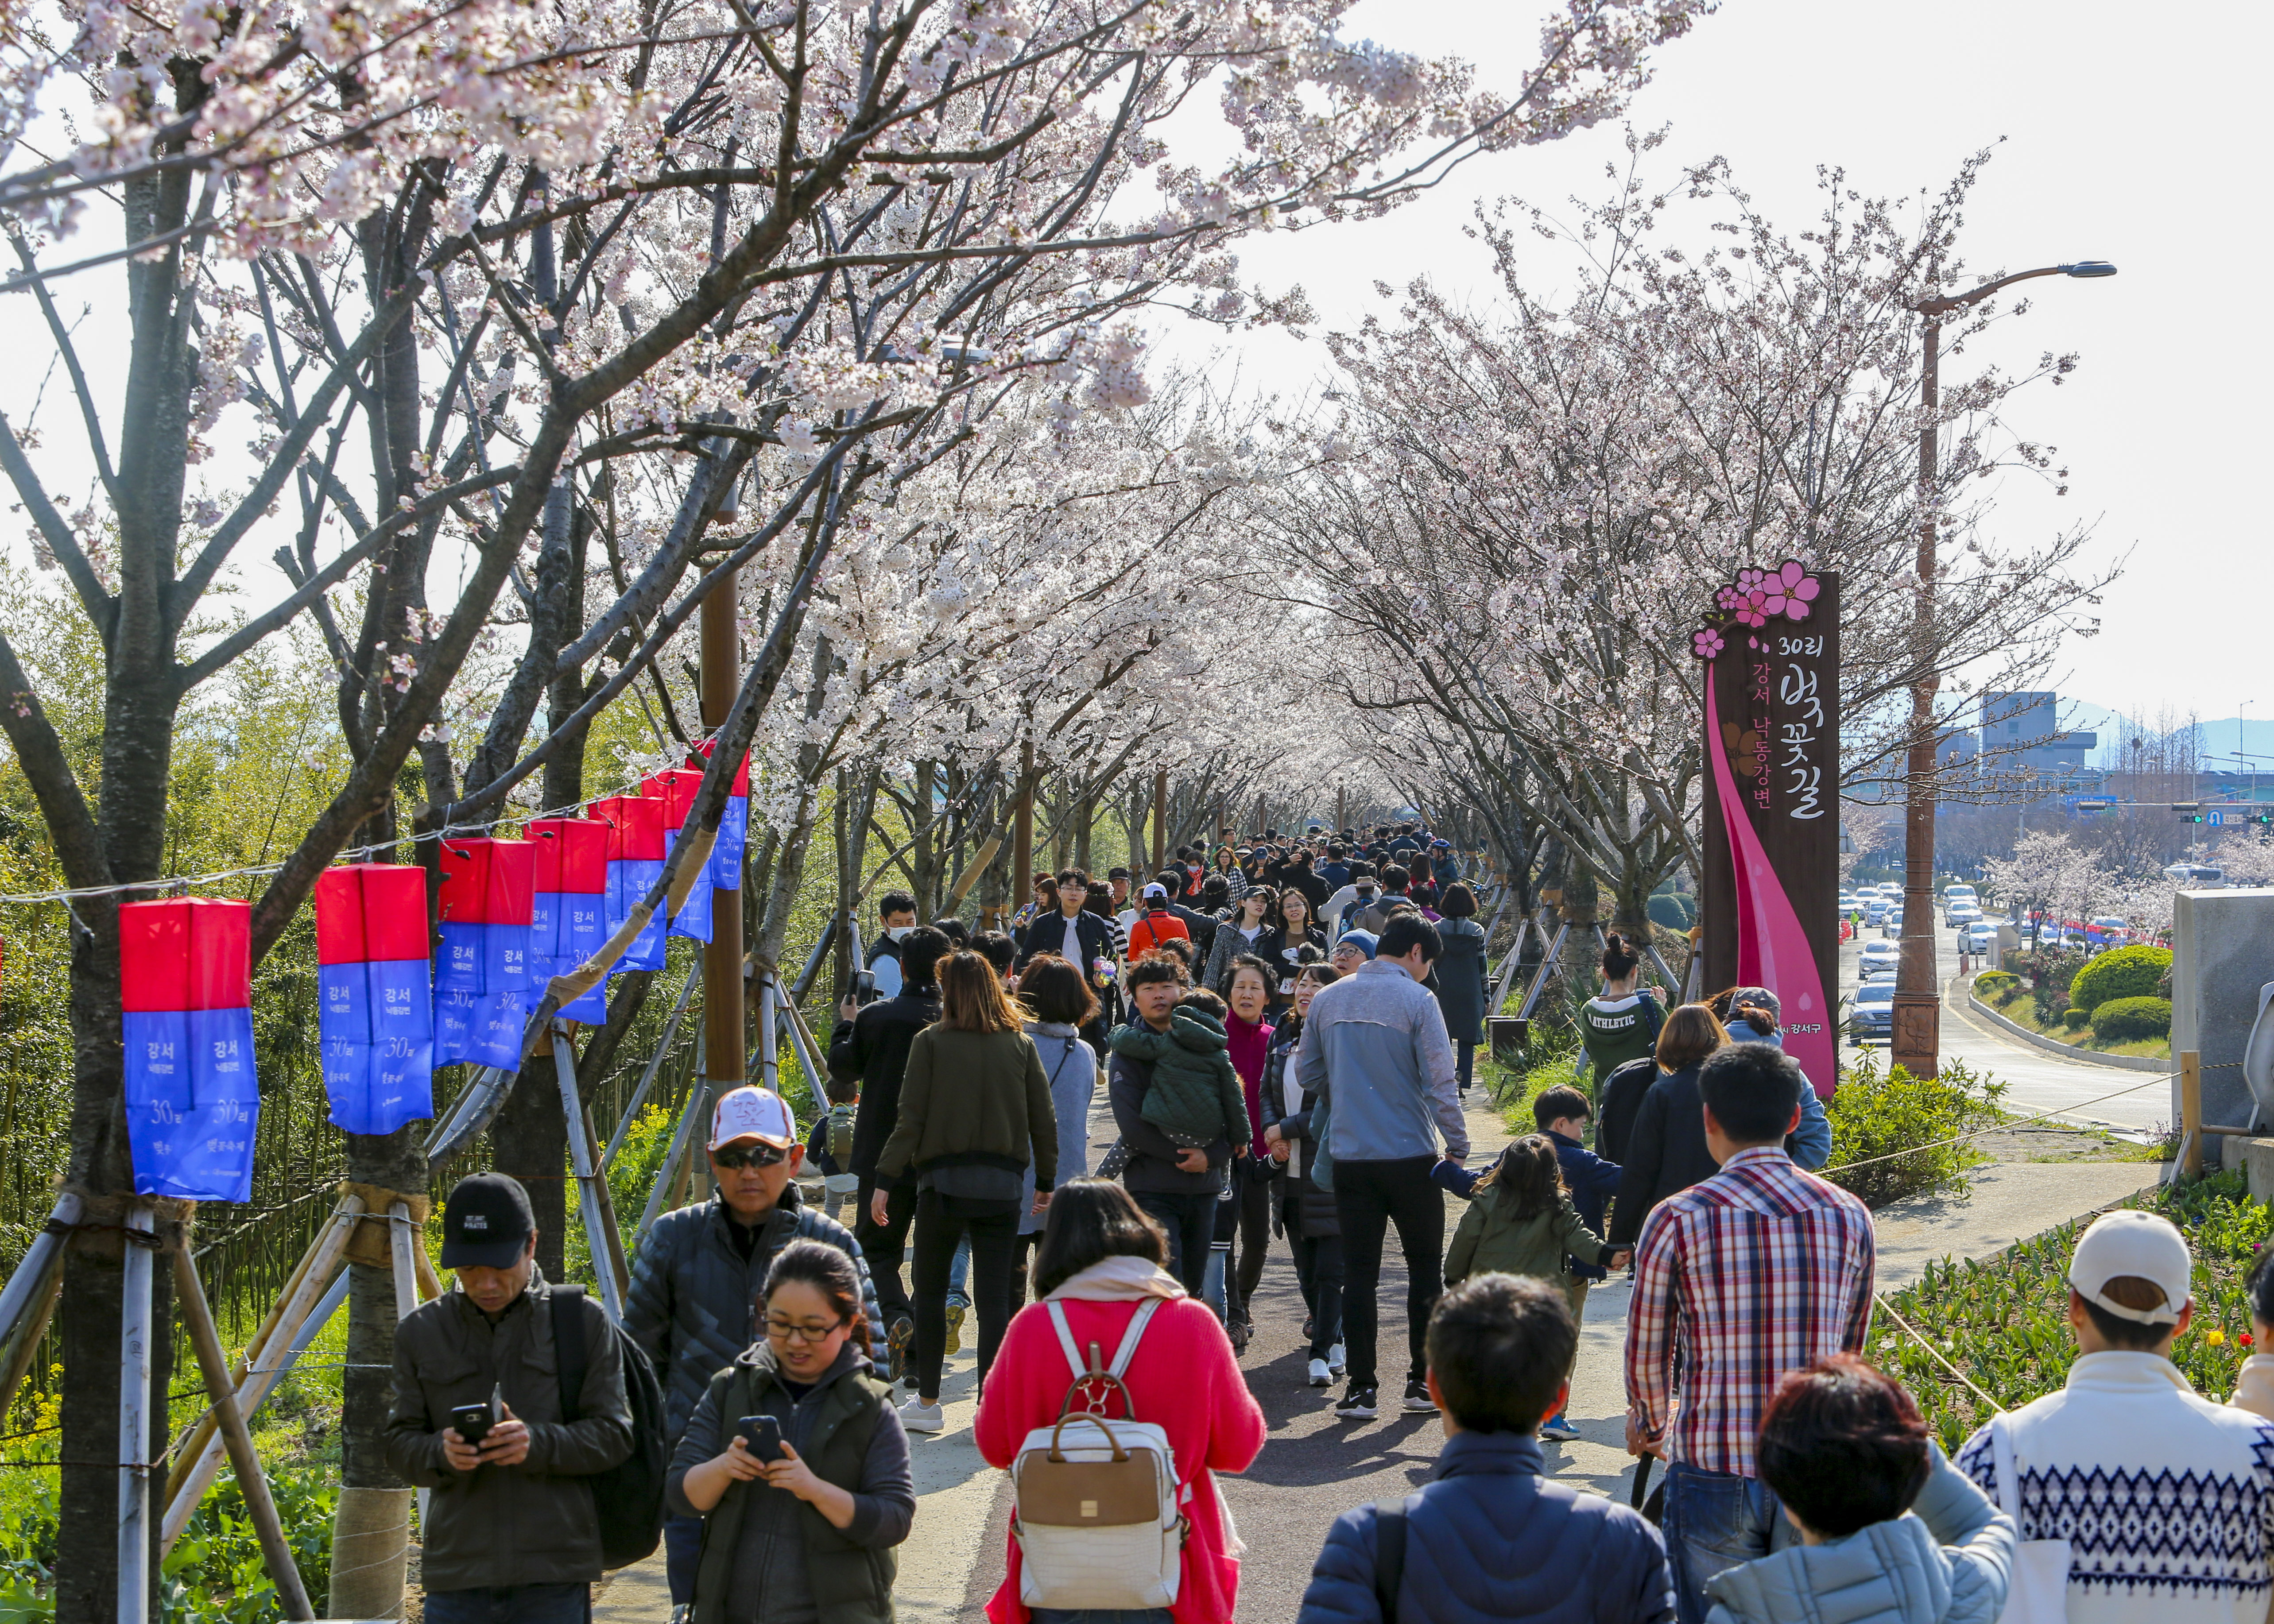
x: 1096, y: 1507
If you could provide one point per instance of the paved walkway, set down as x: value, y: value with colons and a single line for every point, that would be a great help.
x: 1316, y: 1466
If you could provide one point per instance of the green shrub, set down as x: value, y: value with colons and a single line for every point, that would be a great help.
x: 2049, y: 1002
x: 1673, y: 910
x: 2125, y: 1020
x: 2074, y: 1019
x: 2124, y: 973
x: 1897, y: 1127
x: 1994, y: 984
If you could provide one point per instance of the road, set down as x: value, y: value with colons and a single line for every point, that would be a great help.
x: 2036, y: 1080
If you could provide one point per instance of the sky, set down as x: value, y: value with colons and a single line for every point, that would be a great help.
x: 2123, y: 140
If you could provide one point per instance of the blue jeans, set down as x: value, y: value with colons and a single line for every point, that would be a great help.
x: 1716, y: 1520
x: 518, y: 1603
x: 682, y: 1556
x: 1101, y: 1615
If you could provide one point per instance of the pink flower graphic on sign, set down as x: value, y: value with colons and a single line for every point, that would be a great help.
x: 1790, y: 592
x: 1707, y: 644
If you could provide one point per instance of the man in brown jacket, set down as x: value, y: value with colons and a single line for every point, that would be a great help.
x: 511, y: 1537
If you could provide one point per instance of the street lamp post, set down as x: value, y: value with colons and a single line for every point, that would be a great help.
x: 1916, y: 1041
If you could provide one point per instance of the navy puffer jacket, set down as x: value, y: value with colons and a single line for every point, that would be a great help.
x: 1490, y: 1539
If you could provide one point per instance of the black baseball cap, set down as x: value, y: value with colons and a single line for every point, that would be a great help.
x: 486, y: 1222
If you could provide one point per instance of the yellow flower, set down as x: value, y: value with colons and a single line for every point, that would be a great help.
x: 2215, y: 1337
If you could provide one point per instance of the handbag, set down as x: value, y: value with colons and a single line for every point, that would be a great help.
x: 2038, y: 1591
x: 1096, y: 1507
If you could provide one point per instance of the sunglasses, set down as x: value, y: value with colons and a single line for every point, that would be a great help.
x: 762, y: 1156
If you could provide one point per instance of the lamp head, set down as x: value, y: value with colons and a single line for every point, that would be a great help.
x: 2088, y: 267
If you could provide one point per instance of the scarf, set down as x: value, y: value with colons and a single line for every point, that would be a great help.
x: 1118, y: 1280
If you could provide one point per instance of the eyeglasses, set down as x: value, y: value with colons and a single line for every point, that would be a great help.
x: 759, y: 1156
x: 785, y: 1331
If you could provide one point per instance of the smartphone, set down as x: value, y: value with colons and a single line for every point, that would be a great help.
x: 472, y: 1422
x: 864, y: 987
x: 761, y: 1436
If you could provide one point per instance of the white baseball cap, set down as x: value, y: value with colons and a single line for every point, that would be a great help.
x: 753, y: 1114
x: 2140, y: 1245
x: 1157, y: 890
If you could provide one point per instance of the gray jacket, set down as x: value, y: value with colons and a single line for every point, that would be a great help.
x: 496, y: 1527
x: 1948, y: 1561
x: 1073, y: 1074
x: 1375, y: 1048
x: 692, y: 1307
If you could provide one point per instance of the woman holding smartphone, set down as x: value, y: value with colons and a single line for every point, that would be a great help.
x: 796, y: 1462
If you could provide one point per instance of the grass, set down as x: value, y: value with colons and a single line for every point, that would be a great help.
x: 2003, y: 1321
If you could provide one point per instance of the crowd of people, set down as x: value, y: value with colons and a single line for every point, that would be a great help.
x: 1282, y: 1034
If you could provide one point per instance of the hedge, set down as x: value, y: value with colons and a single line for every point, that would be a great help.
x: 1994, y: 984
x: 1672, y: 910
x: 2122, y: 1020
x: 2074, y: 1019
x: 2123, y: 973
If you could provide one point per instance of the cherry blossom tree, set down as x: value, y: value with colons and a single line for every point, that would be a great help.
x: 531, y: 297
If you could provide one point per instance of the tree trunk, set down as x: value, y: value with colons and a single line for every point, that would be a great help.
x: 529, y: 1139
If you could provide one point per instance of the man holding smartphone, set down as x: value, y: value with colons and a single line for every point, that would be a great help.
x: 510, y: 1535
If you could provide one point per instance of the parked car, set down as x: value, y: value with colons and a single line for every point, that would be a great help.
x: 1872, y: 1012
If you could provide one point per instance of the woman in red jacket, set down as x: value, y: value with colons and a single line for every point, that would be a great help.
x: 1100, y: 1259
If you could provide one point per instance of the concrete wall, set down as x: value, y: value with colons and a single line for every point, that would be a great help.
x: 2223, y: 952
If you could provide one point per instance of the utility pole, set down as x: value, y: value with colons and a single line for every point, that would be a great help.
x: 721, y: 661
x: 1915, y: 1041
x: 1022, y: 820
x: 1160, y: 819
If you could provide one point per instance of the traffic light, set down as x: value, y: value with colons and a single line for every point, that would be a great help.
x: 2188, y: 811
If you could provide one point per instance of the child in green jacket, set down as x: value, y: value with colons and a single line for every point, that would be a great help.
x: 1521, y: 1221
x: 1196, y: 1098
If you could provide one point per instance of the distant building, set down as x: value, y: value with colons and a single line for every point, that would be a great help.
x: 2021, y: 732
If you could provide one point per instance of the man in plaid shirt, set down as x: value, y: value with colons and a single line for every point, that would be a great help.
x: 1757, y: 1271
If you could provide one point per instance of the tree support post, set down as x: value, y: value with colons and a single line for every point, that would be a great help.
x: 134, y: 1333
x: 259, y: 1505
x: 588, y: 1202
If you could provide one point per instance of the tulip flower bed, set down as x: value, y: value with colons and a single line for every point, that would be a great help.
x: 2004, y: 1320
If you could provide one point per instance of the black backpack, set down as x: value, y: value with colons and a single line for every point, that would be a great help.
x: 629, y: 1496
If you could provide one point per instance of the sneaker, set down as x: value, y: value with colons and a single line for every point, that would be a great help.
x: 1336, y: 1362
x: 954, y: 1343
x: 918, y: 1417
x: 897, y: 1341
x: 1241, y: 1333
x: 1357, y: 1405
x: 1417, y: 1401
x: 1558, y: 1430
x: 1321, y: 1376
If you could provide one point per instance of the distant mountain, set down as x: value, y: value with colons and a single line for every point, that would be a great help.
x: 2218, y: 738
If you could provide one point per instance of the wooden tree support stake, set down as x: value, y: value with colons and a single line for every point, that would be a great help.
x: 213, y: 1364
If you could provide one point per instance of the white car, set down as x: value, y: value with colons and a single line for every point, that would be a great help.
x: 1958, y: 893
x: 1877, y: 955
x: 1894, y: 923
x: 1964, y: 913
x: 1980, y: 935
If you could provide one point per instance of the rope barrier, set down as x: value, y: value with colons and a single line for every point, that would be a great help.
x: 447, y: 831
x: 2002, y: 1127
x: 1934, y: 1352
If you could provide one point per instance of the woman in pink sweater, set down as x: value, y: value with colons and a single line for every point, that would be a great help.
x: 1100, y: 1259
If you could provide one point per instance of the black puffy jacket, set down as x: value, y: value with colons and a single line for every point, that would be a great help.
x: 873, y: 1048
x: 1302, y: 1204
x: 692, y: 1307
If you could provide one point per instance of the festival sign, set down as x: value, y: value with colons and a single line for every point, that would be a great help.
x: 1770, y: 892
